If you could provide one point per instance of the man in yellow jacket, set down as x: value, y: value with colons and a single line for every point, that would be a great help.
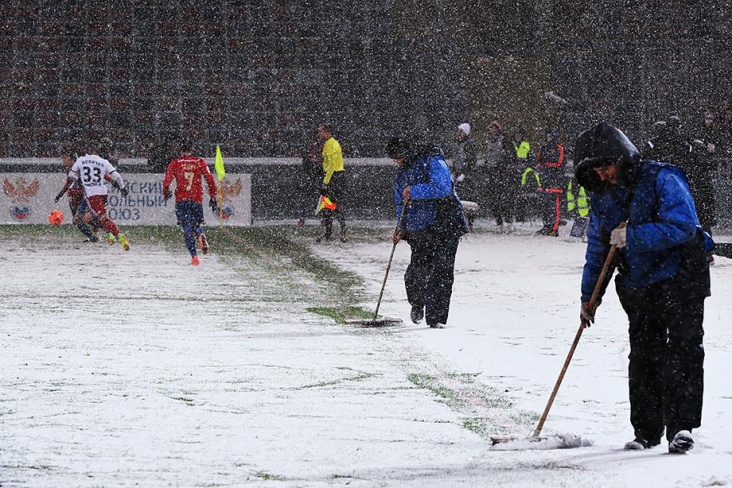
x: 332, y: 182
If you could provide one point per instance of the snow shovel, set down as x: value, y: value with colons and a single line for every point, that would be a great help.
x: 565, y: 440
x: 383, y: 321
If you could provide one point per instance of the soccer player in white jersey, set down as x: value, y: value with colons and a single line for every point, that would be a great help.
x: 89, y: 170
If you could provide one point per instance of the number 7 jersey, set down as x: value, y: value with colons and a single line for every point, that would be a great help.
x: 90, y: 170
x: 189, y: 172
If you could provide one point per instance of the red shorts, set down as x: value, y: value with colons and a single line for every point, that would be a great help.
x: 97, y: 204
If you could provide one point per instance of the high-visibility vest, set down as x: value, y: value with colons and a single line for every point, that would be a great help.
x: 522, y: 150
x: 581, y: 202
x: 526, y: 174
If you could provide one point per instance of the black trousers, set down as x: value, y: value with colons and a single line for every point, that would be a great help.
x: 431, y: 273
x: 666, y: 369
x: 335, y: 192
x: 503, y: 193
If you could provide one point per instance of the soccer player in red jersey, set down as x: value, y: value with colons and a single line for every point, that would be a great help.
x: 189, y: 171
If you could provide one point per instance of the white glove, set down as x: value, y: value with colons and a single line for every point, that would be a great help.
x: 460, y: 178
x: 618, y: 237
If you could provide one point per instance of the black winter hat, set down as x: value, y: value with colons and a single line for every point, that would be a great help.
x: 399, y: 147
x: 604, y: 145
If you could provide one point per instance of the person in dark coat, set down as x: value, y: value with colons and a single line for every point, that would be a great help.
x: 432, y: 226
x: 668, y: 145
x: 701, y: 170
x: 550, y: 164
x: 671, y: 146
x: 645, y: 209
x: 502, y: 178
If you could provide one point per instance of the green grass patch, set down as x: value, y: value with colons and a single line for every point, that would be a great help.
x: 358, y: 376
x: 481, y: 426
x: 269, y: 476
x: 341, y: 314
x: 279, y: 247
x: 281, y: 250
x: 187, y: 401
x: 448, y: 390
x: 464, y: 394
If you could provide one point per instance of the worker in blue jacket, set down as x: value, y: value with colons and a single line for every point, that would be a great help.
x: 433, y: 224
x: 645, y: 209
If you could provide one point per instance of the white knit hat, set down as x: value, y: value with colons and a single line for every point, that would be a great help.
x: 465, y: 127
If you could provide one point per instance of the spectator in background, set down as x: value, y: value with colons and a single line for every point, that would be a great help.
x: 708, y: 132
x: 521, y: 147
x: 668, y: 144
x: 692, y: 156
x: 550, y: 166
x: 464, y: 166
x: 494, y: 151
x: 701, y: 171
x: 723, y: 118
x: 723, y: 128
x: 312, y: 175
x: 333, y: 182
x: 520, y: 162
x: 578, y: 207
x: 671, y: 145
x: 189, y: 171
x: 500, y: 177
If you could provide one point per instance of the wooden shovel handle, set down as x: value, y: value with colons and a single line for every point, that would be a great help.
x: 591, y: 305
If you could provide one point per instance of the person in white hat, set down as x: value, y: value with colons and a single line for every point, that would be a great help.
x: 464, y: 165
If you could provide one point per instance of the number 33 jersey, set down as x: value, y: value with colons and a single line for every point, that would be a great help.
x: 90, y: 170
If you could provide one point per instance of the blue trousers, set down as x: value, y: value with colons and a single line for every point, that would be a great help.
x: 190, y: 218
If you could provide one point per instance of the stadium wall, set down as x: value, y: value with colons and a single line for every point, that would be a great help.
x: 257, y: 77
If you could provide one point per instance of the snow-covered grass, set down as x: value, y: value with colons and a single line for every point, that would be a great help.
x: 134, y: 368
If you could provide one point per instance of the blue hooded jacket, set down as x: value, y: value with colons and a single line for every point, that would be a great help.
x: 653, y: 198
x: 429, y: 176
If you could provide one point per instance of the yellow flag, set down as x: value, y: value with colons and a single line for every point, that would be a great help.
x: 219, y: 164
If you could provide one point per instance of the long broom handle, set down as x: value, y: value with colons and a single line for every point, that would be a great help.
x: 388, y: 266
x: 591, y: 306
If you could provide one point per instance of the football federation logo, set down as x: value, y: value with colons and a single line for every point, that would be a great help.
x: 228, y: 190
x: 232, y: 189
x: 20, y: 213
x: 20, y: 193
x: 226, y: 212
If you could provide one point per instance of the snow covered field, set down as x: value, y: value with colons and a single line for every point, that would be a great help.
x: 136, y: 369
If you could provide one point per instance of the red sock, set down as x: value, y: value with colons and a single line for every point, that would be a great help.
x: 110, y: 226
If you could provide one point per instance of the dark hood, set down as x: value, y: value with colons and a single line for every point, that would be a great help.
x: 399, y: 147
x: 604, y: 145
